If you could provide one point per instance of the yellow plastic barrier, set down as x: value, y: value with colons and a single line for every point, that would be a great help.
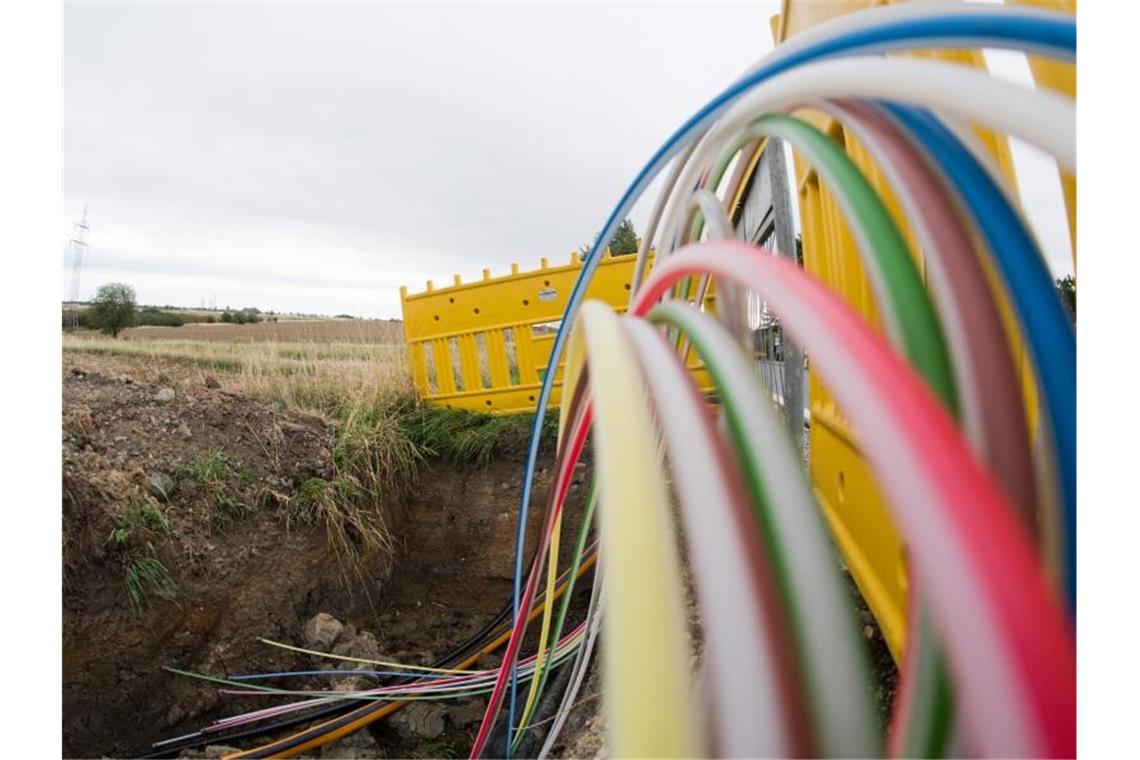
x: 485, y: 345
x: 851, y: 502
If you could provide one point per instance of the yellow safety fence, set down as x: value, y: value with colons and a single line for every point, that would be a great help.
x: 485, y: 346
x: 851, y: 501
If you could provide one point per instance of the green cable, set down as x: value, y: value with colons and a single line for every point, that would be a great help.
x: 907, y: 305
x: 827, y: 647
x: 922, y: 342
x: 583, y: 533
x: 883, y: 250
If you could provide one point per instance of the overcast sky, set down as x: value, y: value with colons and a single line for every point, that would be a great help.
x: 314, y: 157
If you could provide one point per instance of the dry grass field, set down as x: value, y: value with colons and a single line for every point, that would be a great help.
x: 317, y: 367
x: 363, y: 331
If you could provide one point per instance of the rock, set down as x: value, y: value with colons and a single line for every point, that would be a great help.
x: 488, y: 661
x: 322, y: 631
x: 212, y: 382
x: 352, y: 683
x: 173, y: 716
x: 467, y: 713
x: 218, y: 750
x: 421, y: 720
x: 161, y: 485
x: 358, y: 744
x: 364, y: 646
x: 77, y: 373
x: 164, y: 394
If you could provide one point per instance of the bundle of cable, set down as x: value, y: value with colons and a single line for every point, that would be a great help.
x: 936, y: 403
x: 935, y: 400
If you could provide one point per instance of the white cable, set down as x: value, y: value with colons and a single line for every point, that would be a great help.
x: 884, y: 14
x: 1042, y: 118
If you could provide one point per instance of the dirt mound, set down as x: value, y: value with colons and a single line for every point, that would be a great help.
x: 198, y: 484
x: 205, y: 454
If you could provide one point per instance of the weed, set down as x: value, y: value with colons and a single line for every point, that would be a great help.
x: 440, y: 747
x: 145, y: 575
x: 209, y: 469
x: 214, y: 472
x: 468, y: 437
x: 143, y: 514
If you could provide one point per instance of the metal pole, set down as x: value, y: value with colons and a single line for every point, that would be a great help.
x: 786, y: 246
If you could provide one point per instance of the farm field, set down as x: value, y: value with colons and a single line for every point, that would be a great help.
x: 317, y: 367
x: 364, y: 331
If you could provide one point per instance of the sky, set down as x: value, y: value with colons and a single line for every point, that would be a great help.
x: 313, y: 157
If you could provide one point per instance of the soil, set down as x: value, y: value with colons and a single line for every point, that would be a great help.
x: 245, y: 570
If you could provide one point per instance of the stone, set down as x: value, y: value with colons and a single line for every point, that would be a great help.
x: 357, y: 744
x: 322, y: 631
x: 363, y: 646
x: 164, y: 394
x: 467, y: 713
x: 421, y: 720
x: 212, y: 382
x: 161, y: 485
x: 352, y: 683
x: 488, y: 661
x: 218, y: 750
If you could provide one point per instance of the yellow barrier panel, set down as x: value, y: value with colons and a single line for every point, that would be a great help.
x: 485, y: 346
x: 851, y: 501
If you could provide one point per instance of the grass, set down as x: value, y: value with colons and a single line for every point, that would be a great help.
x: 440, y: 747
x: 146, y: 575
x: 470, y: 438
x: 215, y: 474
x: 143, y: 573
x: 140, y: 515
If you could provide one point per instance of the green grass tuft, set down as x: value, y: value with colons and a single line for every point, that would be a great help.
x: 145, y: 575
x: 470, y: 438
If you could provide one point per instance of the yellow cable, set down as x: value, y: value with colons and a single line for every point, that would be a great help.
x: 385, y: 663
x: 647, y: 662
x: 547, y: 615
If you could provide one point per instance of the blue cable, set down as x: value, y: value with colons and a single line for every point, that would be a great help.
x: 1030, y: 284
x: 1048, y: 34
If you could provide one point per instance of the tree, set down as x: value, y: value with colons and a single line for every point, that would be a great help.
x: 625, y: 239
x: 1067, y: 289
x: 113, y: 308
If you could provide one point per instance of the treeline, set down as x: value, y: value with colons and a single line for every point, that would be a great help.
x: 245, y: 317
x: 152, y: 316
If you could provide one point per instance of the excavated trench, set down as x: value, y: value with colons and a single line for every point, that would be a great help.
x: 255, y: 575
